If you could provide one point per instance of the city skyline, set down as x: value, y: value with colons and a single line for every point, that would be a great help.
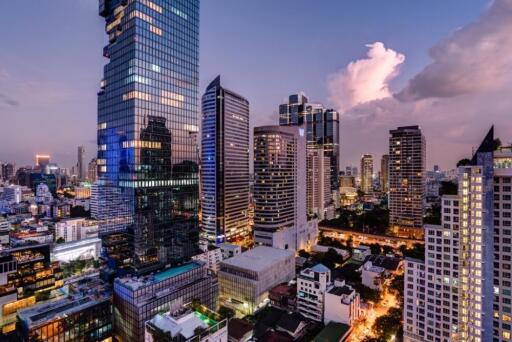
x: 64, y: 102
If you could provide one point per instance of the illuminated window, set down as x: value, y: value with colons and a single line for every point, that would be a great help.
x: 137, y: 95
x: 155, y: 30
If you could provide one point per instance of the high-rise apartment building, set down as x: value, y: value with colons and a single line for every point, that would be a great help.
x: 280, y: 208
x: 92, y: 171
x: 319, y: 195
x: 467, y: 259
x: 322, y: 128
x: 224, y: 167
x: 147, y: 122
x: 384, y: 173
x: 80, y: 165
x: 7, y: 171
x: 367, y: 173
x: 406, y: 180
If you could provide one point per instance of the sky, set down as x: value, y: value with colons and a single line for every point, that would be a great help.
x: 445, y: 65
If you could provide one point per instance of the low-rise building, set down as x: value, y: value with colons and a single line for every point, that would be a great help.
x: 372, y: 276
x: 230, y: 250
x: 84, y: 315
x: 211, y: 257
x: 187, y: 324
x: 342, y: 304
x: 284, y: 296
x: 312, y: 283
x: 361, y: 252
x: 85, y: 249
x: 246, y: 279
x: 240, y: 330
x: 76, y: 229
x: 334, y: 332
x: 137, y: 299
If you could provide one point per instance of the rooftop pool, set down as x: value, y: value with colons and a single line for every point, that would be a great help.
x: 175, y: 271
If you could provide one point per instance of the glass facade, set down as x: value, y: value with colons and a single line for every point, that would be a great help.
x: 147, y: 126
x: 224, y: 167
x: 322, y: 128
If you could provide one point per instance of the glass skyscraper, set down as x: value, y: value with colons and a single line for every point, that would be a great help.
x: 147, y: 128
x: 322, y: 128
x: 225, y: 167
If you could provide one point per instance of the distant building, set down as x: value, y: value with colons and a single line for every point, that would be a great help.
x: 322, y: 128
x: 384, y: 173
x: 8, y: 171
x: 139, y: 298
x: 367, y: 173
x: 82, y: 173
x: 245, y: 280
x: 42, y: 160
x: 319, y: 192
x: 407, y: 158
x: 92, y: 170
x: 76, y: 229
x: 5, y: 229
x: 224, y: 167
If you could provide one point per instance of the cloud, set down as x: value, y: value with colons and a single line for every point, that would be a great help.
x: 6, y: 100
x: 455, y: 99
x: 476, y: 58
x: 365, y: 79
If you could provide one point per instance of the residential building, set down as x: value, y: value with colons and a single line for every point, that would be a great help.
x: 187, y: 324
x: 147, y: 154
x: 211, y: 257
x: 5, y: 229
x: 367, y: 173
x: 224, y: 167
x: 318, y: 178
x: 280, y: 210
x: 229, y: 250
x: 83, y: 315
x: 384, y: 173
x: 42, y: 160
x: 284, y: 296
x: 240, y: 330
x: 407, y: 158
x: 92, y: 171
x: 246, y: 279
x: 312, y: 283
x: 74, y: 229
x: 342, y: 304
x: 414, y: 300
x: 322, y: 128
x: 372, y: 276
x: 139, y: 299
x: 8, y: 171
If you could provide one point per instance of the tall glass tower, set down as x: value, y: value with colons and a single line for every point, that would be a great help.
x: 147, y: 129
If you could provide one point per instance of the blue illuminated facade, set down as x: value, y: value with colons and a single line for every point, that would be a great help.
x: 147, y: 193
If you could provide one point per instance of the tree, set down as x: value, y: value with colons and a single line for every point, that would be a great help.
x: 448, y: 188
x: 464, y: 162
x: 387, y: 249
x: 304, y: 254
x: 417, y: 251
x: 375, y: 248
x: 367, y: 294
x: 497, y: 144
x: 397, y: 286
x: 388, y: 325
x: 226, y: 312
x: 60, y: 240
x: 199, y: 330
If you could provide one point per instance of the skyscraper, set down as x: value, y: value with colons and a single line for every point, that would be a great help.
x: 367, y: 173
x: 42, y: 160
x: 81, y: 172
x: 384, y: 173
x: 279, y: 185
x: 92, y: 170
x: 322, y: 128
x: 224, y: 166
x: 319, y: 197
x: 147, y: 117
x: 406, y: 180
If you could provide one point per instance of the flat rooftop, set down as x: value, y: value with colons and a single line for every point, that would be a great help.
x: 259, y: 258
x: 134, y: 283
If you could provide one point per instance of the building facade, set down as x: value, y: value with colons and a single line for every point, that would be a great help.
x: 80, y: 165
x: 322, y: 128
x: 384, y: 173
x: 224, y: 167
x: 319, y: 195
x: 137, y: 300
x: 407, y: 158
x: 280, y: 207
x: 246, y: 279
x: 147, y: 122
x: 312, y: 283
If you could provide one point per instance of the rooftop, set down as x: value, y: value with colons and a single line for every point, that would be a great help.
x: 389, y: 263
x: 134, y: 283
x: 238, y: 328
x: 333, y: 332
x: 259, y: 259
x: 341, y: 290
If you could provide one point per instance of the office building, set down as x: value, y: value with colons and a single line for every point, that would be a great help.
x: 147, y: 122
x: 322, y: 128
x: 75, y: 229
x: 384, y: 173
x: 246, y: 279
x: 407, y: 160
x: 139, y: 299
x: 83, y: 315
x: 280, y: 207
x: 367, y: 173
x: 224, y: 167
x: 8, y: 171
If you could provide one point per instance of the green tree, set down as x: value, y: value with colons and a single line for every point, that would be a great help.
x: 375, y: 248
x: 226, y: 312
x: 60, y: 240
x: 464, y: 162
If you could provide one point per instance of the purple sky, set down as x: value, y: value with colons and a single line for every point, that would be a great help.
x: 449, y: 61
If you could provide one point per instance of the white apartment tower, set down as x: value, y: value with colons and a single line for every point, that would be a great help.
x: 367, y: 173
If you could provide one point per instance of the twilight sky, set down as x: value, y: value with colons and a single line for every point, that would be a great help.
x: 445, y: 65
